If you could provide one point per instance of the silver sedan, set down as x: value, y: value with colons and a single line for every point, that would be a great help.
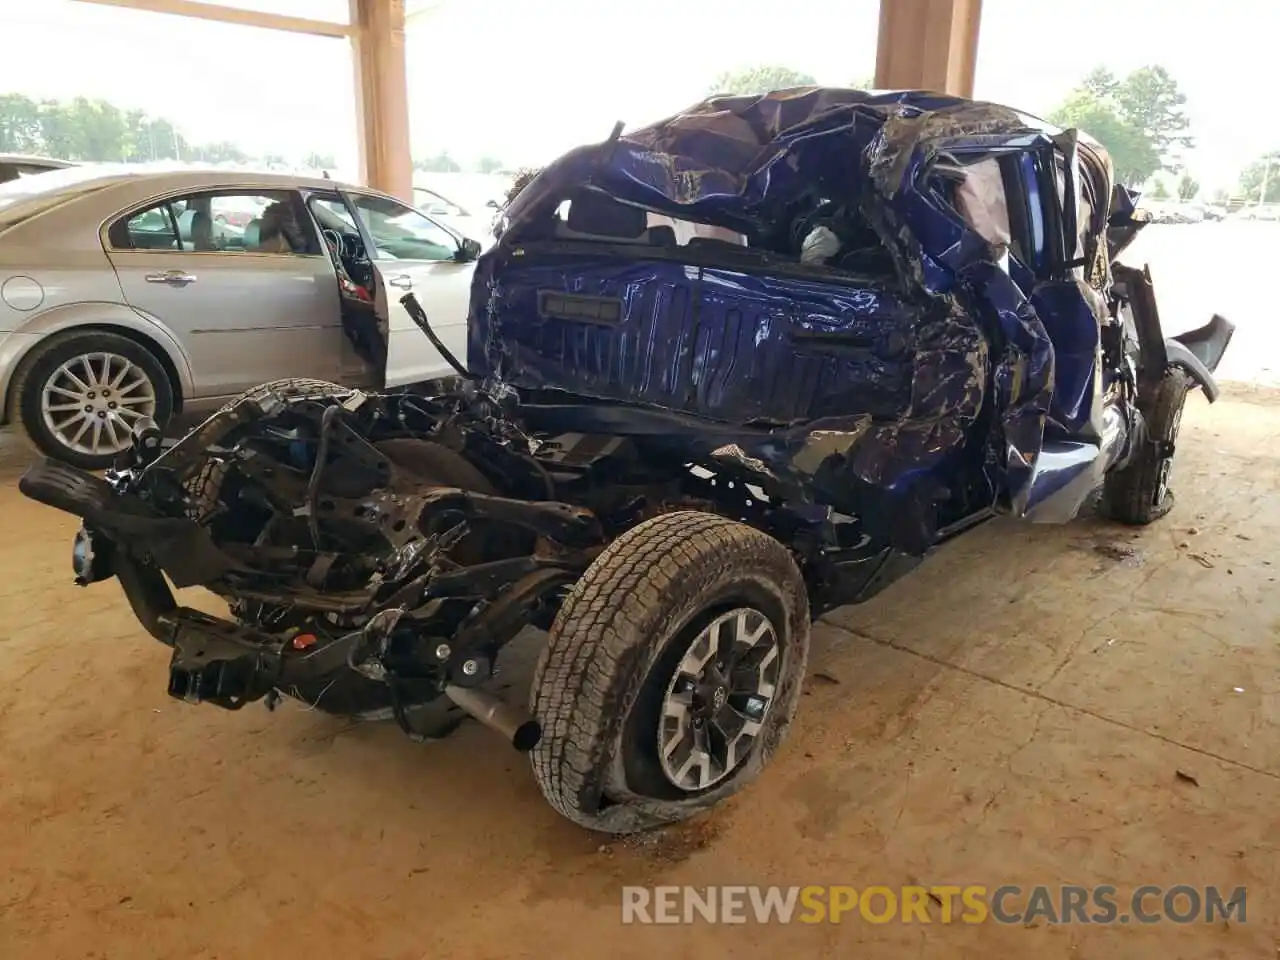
x: 126, y: 294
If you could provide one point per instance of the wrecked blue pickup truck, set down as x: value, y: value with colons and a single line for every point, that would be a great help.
x: 723, y: 373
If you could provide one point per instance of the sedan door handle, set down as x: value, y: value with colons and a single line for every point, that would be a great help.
x: 177, y: 278
x: 403, y: 282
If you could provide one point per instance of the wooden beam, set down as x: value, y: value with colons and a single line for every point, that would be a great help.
x: 382, y: 96
x: 928, y: 45
x: 244, y: 18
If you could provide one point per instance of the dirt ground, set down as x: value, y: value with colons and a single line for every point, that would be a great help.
x: 1083, y: 705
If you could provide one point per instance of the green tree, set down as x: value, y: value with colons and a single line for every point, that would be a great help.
x: 524, y: 176
x: 1132, y: 155
x: 757, y: 80
x: 489, y: 164
x: 1139, y: 119
x: 1188, y: 187
x: 1260, y: 181
x: 155, y: 138
x: 1159, y: 191
x: 320, y: 161
x: 81, y: 129
x: 98, y: 130
x: 1150, y: 100
x: 58, y: 136
x: 19, y: 124
x: 224, y: 151
x: 1100, y: 82
x: 440, y: 163
x: 135, y: 147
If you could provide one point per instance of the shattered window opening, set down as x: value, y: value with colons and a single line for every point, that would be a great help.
x: 815, y: 232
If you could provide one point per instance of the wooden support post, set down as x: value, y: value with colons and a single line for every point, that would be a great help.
x: 382, y: 96
x: 928, y: 45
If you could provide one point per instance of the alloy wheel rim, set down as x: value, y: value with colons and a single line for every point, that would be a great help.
x: 1166, y: 465
x: 718, y: 698
x: 91, y: 403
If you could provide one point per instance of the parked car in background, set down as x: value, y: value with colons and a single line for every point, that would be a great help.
x: 1172, y: 211
x: 240, y: 211
x: 1258, y: 211
x: 128, y: 292
x: 473, y: 222
x: 15, y: 165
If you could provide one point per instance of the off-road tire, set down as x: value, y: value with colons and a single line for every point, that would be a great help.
x: 603, y: 665
x: 1132, y: 495
x: 46, y: 357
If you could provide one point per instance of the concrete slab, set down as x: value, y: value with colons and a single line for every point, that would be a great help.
x: 1018, y: 712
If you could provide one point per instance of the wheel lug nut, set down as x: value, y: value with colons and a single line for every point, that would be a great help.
x: 88, y: 408
x: 90, y: 394
x: 102, y: 414
x: 111, y: 405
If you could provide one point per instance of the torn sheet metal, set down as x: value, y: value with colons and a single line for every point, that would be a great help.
x: 885, y: 377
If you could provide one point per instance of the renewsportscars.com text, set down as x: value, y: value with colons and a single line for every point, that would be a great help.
x: 1009, y: 904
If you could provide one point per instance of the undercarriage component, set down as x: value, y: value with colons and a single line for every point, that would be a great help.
x: 1196, y: 352
x: 216, y: 662
x: 512, y: 724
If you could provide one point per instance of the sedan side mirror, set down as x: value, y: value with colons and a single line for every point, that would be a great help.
x: 468, y: 250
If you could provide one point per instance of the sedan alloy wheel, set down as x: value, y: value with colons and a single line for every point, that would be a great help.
x: 91, y: 402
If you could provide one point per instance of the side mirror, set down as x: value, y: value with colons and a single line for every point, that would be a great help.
x: 468, y: 250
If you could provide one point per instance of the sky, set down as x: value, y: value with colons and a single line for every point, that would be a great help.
x: 523, y: 81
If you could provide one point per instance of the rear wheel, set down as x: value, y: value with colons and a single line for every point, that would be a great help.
x: 79, y: 395
x: 1139, y: 494
x: 671, y: 674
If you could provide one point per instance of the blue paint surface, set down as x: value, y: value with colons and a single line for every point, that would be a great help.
x: 940, y: 365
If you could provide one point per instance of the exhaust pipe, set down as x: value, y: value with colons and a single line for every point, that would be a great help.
x: 520, y: 730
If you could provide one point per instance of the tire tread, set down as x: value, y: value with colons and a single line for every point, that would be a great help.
x: 1129, y: 492
x: 580, y: 684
